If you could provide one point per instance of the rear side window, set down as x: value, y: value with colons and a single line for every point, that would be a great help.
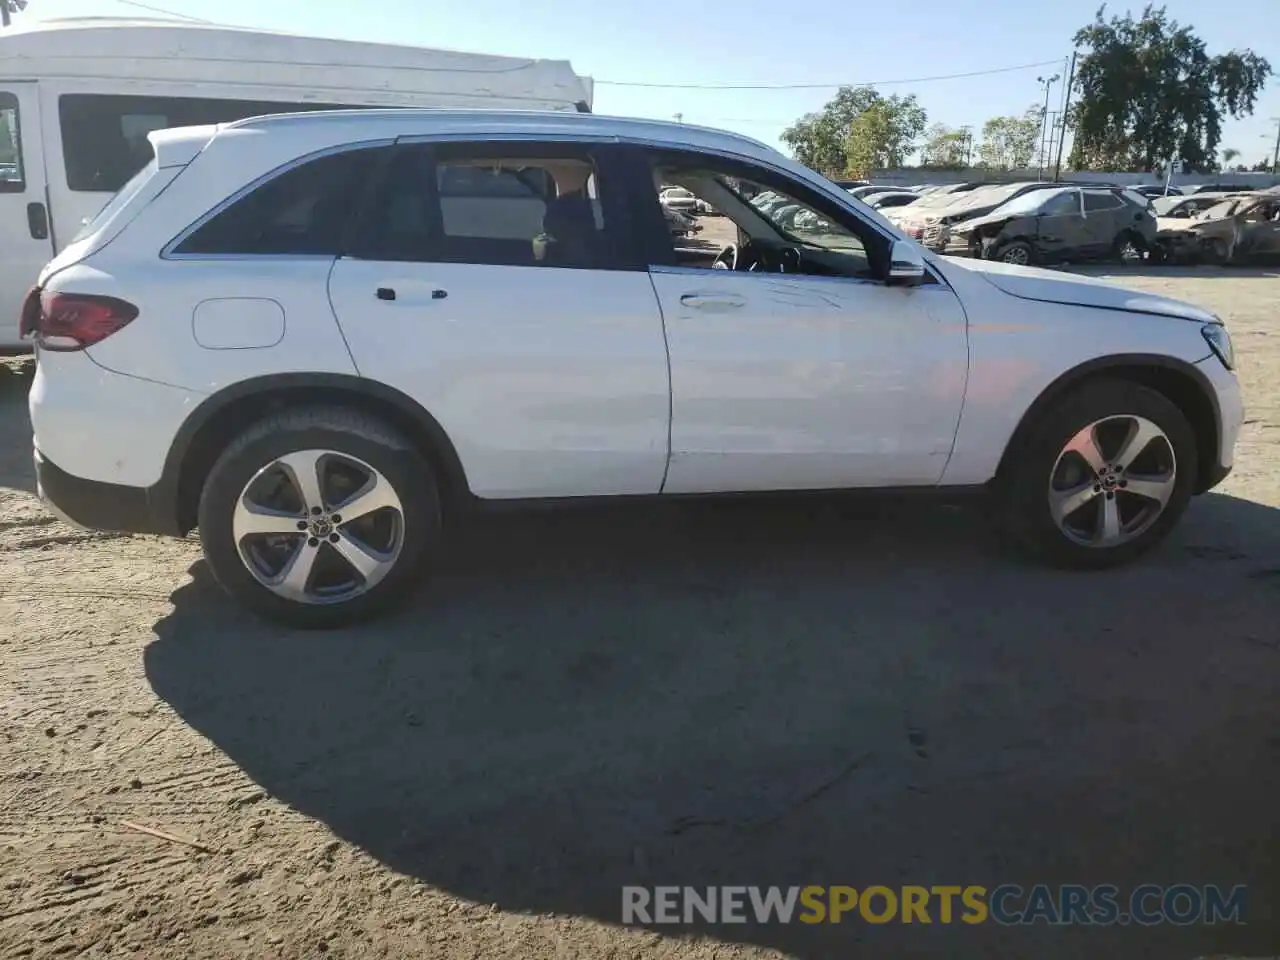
x: 1101, y: 201
x: 12, y: 179
x: 503, y: 205
x: 303, y: 211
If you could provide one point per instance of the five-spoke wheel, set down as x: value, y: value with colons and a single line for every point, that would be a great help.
x: 319, y: 516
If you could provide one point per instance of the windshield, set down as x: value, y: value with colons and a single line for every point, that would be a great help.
x: 1218, y: 210
x: 116, y: 203
x: 793, y: 220
x: 1163, y: 206
x: 1029, y: 202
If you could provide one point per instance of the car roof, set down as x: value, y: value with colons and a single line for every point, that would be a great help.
x: 495, y: 124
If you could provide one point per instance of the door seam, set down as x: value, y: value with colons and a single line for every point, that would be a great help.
x: 666, y: 346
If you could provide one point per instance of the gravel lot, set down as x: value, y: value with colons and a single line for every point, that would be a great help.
x: 809, y: 693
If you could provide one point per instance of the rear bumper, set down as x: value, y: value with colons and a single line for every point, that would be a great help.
x: 94, y: 505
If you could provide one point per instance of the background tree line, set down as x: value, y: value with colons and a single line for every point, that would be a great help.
x: 1146, y: 92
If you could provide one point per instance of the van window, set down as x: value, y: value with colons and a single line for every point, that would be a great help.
x: 104, y: 136
x: 12, y: 179
x: 303, y: 211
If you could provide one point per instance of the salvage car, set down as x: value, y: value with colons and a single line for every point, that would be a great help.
x: 1237, y: 227
x: 1153, y: 190
x: 1183, y: 207
x: 891, y: 198
x: 1063, y: 224
x: 287, y: 336
x: 931, y: 219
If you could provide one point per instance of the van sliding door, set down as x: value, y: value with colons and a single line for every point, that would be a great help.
x: 26, y: 243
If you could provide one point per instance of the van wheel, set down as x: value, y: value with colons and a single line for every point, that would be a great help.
x: 318, y: 517
x: 1018, y: 253
x: 1101, y: 478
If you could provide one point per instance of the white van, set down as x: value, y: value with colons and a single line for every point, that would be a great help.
x: 79, y: 96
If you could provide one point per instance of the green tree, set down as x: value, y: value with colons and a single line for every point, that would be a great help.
x: 1009, y: 143
x: 1229, y: 154
x: 880, y: 130
x: 1150, y: 93
x: 946, y: 148
x: 883, y: 135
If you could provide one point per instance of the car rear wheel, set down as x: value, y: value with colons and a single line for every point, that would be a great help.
x: 1128, y: 248
x: 319, y: 517
x: 1102, y: 477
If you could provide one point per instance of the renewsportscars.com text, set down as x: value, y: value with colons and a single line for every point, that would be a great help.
x: 1007, y: 904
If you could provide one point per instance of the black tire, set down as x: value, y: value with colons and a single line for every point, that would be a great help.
x: 1014, y: 252
x: 1024, y: 487
x: 1125, y: 239
x: 345, y: 431
x: 1219, y: 253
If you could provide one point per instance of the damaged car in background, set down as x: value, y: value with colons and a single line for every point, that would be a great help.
x: 1062, y: 224
x: 1184, y: 207
x: 932, y: 219
x: 1238, y: 227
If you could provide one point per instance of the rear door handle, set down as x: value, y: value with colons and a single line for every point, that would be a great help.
x: 389, y: 293
x: 38, y: 221
x: 712, y: 301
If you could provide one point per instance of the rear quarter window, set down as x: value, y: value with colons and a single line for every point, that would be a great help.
x: 303, y: 211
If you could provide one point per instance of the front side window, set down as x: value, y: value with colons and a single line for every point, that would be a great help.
x: 762, y: 222
x: 501, y: 205
x: 301, y: 212
x: 12, y: 179
x: 1064, y: 204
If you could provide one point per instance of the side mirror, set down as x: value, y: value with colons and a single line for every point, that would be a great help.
x: 906, y: 265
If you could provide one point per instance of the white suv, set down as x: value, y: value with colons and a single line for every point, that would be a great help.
x: 313, y: 336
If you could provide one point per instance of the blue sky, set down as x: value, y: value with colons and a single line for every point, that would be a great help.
x: 815, y: 42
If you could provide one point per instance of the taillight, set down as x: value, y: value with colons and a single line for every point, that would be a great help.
x: 29, y: 318
x: 73, y: 321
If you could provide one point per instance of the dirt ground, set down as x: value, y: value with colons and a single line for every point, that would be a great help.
x: 804, y: 693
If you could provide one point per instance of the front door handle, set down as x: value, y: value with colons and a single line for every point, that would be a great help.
x: 38, y: 221
x: 712, y: 301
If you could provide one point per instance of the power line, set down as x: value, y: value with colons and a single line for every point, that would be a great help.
x: 168, y: 13
x: 821, y: 86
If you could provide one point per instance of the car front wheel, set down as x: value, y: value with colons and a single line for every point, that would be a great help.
x: 318, y: 517
x: 1102, y: 477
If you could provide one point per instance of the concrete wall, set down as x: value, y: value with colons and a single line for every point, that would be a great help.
x: 909, y: 176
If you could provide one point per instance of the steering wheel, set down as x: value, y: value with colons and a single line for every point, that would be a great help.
x: 726, y: 259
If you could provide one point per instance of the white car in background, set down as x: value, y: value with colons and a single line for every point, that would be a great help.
x: 312, y: 337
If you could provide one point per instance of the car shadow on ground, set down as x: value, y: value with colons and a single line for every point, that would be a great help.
x: 806, y: 692
x: 16, y: 471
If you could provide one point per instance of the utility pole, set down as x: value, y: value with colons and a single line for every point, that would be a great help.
x: 4, y: 10
x: 1044, y: 120
x: 1275, y: 156
x: 1066, y: 104
x: 1050, y: 140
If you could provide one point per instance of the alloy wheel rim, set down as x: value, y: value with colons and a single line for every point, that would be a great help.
x: 1017, y: 256
x: 318, y: 527
x: 1112, y: 481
